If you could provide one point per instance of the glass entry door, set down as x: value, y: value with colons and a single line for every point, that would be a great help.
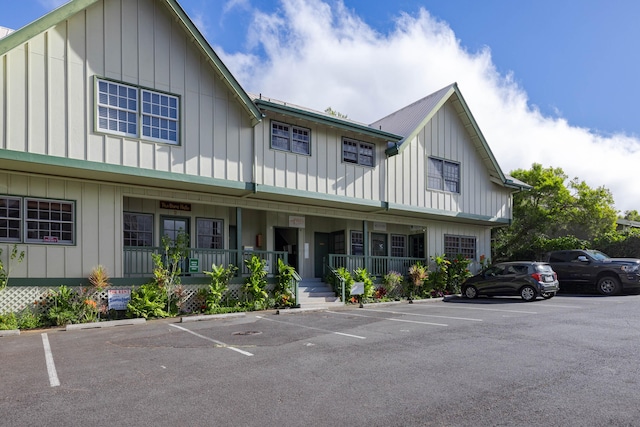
x: 172, y: 226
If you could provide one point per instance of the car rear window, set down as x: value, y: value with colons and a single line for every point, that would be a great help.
x: 543, y: 268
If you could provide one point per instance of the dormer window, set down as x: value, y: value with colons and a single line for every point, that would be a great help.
x: 358, y: 152
x: 443, y: 175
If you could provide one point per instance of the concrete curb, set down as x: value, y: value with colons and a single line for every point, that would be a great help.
x: 187, y: 319
x: 9, y: 332
x: 107, y: 324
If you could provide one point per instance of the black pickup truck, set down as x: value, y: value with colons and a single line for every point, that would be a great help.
x: 593, y: 268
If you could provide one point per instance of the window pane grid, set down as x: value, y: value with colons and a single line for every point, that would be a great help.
x: 357, y: 243
x: 117, y: 108
x: 10, y: 219
x: 398, y: 245
x: 209, y: 233
x: 49, y: 221
x: 460, y: 245
x: 290, y: 138
x: 138, y: 229
x: 358, y: 152
x: 443, y: 175
x: 159, y: 116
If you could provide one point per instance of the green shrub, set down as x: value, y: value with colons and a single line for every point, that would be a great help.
x: 148, y: 301
x: 283, y: 292
x: 392, y: 284
x: 255, y: 286
x: 219, y: 286
x: 362, y: 275
x: 8, y: 322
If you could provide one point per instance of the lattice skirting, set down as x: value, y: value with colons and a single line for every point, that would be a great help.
x: 15, y: 299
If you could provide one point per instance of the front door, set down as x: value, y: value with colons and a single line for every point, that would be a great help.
x: 321, y: 252
x: 416, y: 246
x: 172, y: 226
x: 286, y: 239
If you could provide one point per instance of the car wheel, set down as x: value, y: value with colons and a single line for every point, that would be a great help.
x: 548, y: 295
x: 608, y: 285
x: 470, y: 292
x: 528, y: 293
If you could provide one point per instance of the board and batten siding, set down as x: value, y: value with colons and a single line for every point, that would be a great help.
x: 47, y: 103
x: 445, y: 137
x: 97, y: 227
x: 323, y: 171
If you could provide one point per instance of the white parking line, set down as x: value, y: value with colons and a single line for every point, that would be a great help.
x: 220, y: 343
x: 422, y: 315
x: 463, y: 307
x: 317, y: 329
x: 51, y: 366
x: 394, y: 320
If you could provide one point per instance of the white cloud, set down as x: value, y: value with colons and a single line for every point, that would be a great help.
x: 321, y: 55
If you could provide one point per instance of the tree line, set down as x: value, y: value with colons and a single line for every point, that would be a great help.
x: 559, y: 213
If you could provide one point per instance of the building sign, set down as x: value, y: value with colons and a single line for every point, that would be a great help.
x: 118, y: 298
x: 379, y: 226
x: 296, y: 221
x: 50, y: 239
x: 175, y: 206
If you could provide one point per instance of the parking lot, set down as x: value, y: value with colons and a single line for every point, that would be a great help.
x: 497, y: 361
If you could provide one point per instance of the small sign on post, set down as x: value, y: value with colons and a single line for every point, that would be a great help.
x: 118, y: 298
x: 357, y: 289
x: 194, y: 265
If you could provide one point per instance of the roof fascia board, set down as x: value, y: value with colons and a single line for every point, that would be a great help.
x: 330, y: 121
x: 42, y: 24
x: 398, y: 148
x: 231, y: 81
x: 478, y: 132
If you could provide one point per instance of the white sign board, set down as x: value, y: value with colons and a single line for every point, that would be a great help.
x: 296, y: 221
x: 119, y: 298
x: 357, y: 288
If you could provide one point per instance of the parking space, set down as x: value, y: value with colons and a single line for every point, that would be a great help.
x: 53, y: 358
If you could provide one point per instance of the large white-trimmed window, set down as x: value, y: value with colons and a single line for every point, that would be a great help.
x: 361, y: 153
x: 132, y: 111
x: 290, y: 138
x: 209, y: 233
x: 443, y: 175
x: 137, y: 229
x: 49, y: 221
x: 357, y: 243
x: 459, y: 245
x: 398, y: 245
x: 10, y: 219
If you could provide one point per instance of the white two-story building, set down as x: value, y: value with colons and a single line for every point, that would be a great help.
x: 119, y: 124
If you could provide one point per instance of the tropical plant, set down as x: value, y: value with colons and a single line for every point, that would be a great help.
x: 457, y: 272
x: 167, y: 267
x: 437, y: 279
x: 99, y: 278
x: 392, y: 283
x: 255, y: 286
x: 362, y: 275
x: 8, y: 321
x: 148, y: 301
x: 5, y: 269
x: 341, y: 276
x: 283, y: 291
x: 64, y: 306
x: 220, y: 277
x: 418, y: 273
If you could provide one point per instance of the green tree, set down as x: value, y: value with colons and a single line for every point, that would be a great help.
x: 632, y: 215
x: 335, y: 113
x: 551, y: 211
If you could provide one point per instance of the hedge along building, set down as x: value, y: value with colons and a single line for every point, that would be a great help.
x: 119, y: 124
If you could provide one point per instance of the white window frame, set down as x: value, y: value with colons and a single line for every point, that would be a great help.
x: 440, y: 176
x: 398, y: 249
x: 137, y: 112
x: 357, y: 241
x: 356, y: 152
x: 8, y: 206
x: 61, y: 223
x: 294, y: 139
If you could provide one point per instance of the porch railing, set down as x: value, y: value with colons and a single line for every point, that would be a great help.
x: 375, y: 265
x: 138, y: 262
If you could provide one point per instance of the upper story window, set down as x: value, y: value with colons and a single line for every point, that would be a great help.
x: 290, y: 138
x: 361, y: 153
x: 135, y: 112
x: 443, y: 175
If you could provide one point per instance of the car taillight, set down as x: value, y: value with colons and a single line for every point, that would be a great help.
x: 537, y: 276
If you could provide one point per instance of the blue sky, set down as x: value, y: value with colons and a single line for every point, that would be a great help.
x: 548, y: 81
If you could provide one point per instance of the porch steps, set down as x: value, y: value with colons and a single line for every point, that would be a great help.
x: 313, y: 293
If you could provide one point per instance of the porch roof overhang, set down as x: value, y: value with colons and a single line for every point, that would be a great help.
x: 296, y: 201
